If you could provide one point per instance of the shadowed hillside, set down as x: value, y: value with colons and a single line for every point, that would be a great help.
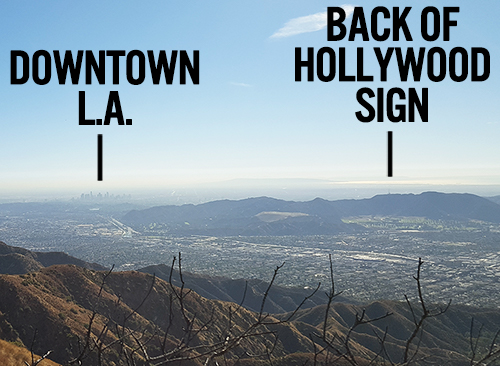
x: 279, y: 300
x: 15, y: 260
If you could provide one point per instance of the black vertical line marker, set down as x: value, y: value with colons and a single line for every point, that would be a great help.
x: 99, y: 157
x: 389, y: 153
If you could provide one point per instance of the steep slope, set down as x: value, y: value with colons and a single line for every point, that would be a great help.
x: 14, y: 355
x: 58, y: 302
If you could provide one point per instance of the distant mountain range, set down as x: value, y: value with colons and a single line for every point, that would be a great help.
x: 495, y: 199
x: 269, y: 216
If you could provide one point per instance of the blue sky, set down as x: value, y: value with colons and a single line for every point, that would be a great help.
x: 248, y: 118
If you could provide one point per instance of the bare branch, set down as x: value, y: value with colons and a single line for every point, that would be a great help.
x: 426, y: 313
x: 268, y: 289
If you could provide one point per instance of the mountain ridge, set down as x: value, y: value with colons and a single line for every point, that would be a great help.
x: 17, y: 260
x: 248, y: 217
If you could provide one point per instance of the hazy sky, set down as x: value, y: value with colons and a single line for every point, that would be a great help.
x: 247, y: 118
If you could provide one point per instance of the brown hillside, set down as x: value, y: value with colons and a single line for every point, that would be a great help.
x: 130, y: 316
x: 12, y: 355
x: 58, y: 301
x: 445, y: 337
